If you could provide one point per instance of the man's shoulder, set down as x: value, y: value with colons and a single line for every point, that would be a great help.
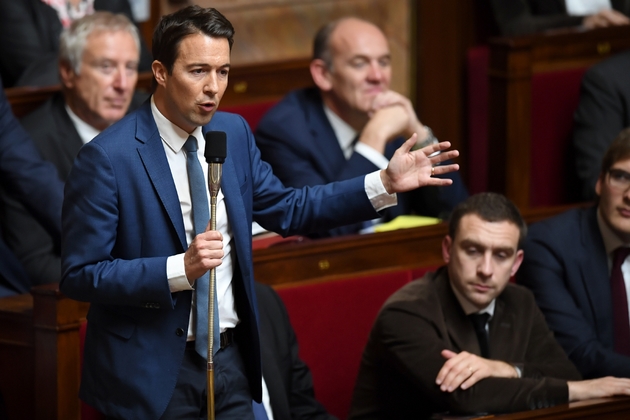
x: 293, y: 103
x: 418, y: 293
x: 560, y: 226
x: 613, y: 69
x: 44, y: 113
x: 515, y: 295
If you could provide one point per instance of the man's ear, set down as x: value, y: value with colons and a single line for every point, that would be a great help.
x: 66, y: 74
x: 598, y: 185
x: 321, y: 75
x: 447, y: 244
x: 159, y: 72
x: 517, y: 262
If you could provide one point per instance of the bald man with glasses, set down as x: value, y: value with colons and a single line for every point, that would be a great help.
x: 578, y: 268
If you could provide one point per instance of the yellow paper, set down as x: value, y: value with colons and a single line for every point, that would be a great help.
x: 404, y: 222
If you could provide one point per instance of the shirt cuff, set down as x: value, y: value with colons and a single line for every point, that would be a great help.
x: 176, y: 274
x: 519, y: 372
x: 372, y: 155
x: 376, y: 192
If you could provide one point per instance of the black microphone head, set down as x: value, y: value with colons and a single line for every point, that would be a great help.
x: 216, y: 146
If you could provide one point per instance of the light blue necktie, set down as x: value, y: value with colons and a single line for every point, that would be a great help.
x: 259, y: 411
x: 201, y: 215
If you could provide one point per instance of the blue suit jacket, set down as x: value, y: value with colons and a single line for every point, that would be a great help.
x: 121, y: 221
x: 34, y: 182
x: 566, y: 267
x: 299, y: 143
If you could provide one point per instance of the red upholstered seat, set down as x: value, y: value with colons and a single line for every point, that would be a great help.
x: 555, y: 97
x: 332, y: 321
x: 251, y: 112
x: 87, y: 412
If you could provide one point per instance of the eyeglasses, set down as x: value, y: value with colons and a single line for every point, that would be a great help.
x: 619, y: 179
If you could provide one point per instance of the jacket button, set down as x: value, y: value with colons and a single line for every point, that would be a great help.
x: 179, y: 332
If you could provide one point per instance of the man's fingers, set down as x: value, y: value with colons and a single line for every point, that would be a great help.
x: 447, y: 155
x: 445, y: 169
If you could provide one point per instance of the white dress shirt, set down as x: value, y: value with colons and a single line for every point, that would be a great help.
x: 173, y: 139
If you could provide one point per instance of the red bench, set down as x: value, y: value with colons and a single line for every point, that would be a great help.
x: 332, y: 321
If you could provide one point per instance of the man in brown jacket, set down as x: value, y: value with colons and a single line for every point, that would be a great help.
x: 425, y: 354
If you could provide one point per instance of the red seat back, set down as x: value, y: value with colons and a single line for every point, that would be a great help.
x: 332, y: 321
x: 251, y: 112
x: 555, y: 97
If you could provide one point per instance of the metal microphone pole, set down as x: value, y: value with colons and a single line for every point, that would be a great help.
x: 215, y: 154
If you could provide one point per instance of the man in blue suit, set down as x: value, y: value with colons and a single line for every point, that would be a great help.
x: 569, y: 264
x: 350, y: 124
x: 32, y: 181
x: 129, y: 246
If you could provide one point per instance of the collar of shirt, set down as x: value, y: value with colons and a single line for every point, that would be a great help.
x: 468, y: 307
x: 611, y: 240
x: 345, y: 134
x: 85, y: 130
x: 172, y: 135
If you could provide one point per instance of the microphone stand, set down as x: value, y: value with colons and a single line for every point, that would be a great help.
x: 214, y: 184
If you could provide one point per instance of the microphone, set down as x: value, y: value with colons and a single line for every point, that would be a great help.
x: 215, y: 153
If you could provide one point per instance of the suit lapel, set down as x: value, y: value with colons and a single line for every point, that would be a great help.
x: 459, y: 328
x: 501, y: 331
x: 69, y: 140
x: 594, y: 264
x: 152, y: 154
x: 326, y: 146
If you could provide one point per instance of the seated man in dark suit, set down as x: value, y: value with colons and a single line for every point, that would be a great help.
x: 520, y: 17
x: 604, y: 111
x: 98, y: 67
x: 500, y: 355
x: 576, y: 266
x: 27, y: 178
x: 350, y: 124
x: 287, y: 378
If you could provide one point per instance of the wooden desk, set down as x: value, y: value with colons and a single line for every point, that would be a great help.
x: 617, y: 408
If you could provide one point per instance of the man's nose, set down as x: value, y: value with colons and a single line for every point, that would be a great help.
x: 485, y: 266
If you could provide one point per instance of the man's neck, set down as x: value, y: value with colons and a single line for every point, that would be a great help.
x: 355, y: 119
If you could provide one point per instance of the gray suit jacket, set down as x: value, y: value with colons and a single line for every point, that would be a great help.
x: 402, y: 357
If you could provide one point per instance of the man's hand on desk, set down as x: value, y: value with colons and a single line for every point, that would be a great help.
x: 463, y: 370
x: 598, y: 388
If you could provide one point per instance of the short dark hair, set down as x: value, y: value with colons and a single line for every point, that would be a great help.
x: 187, y: 21
x: 491, y: 207
x: 321, y: 43
x: 619, y: 150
